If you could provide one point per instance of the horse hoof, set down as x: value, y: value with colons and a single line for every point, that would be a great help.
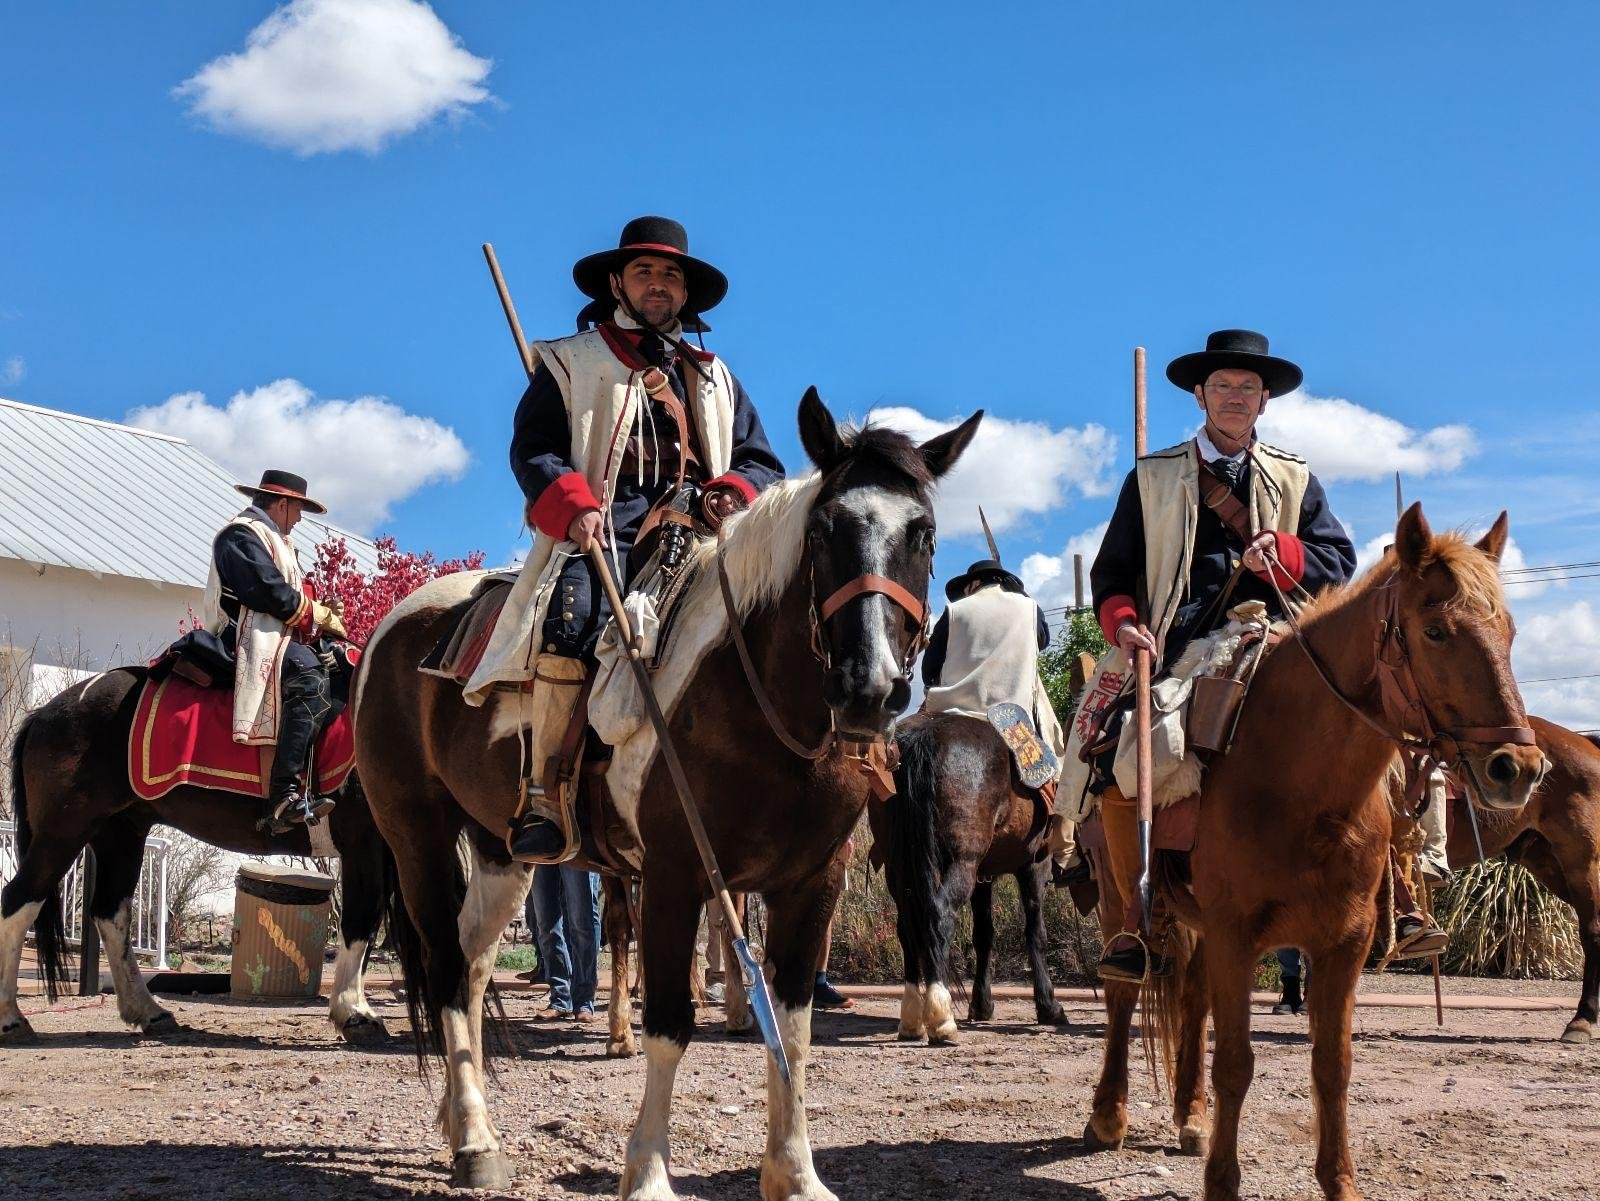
x: 1193, y: 1141
x: 163, y: 1023
x: 481, y: 1169
x: 1094, y: 1144
x: 981, y: 1015
x: 360, y: 1030
x: 18, y: 1034
x: 907, y: 1035
x: 740, y: 1025
x: 1577, y: 1032
x: 621, y: 1048
x: 1053, y: 1017
x: 944, y: 1038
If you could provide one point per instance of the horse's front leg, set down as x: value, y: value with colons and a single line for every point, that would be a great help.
x: 1189, y: 1089
x: 1030, y: 886
x: 669, y: 910
x: 361, y: 891
x: 619, y: 933
x: 738, y: 1017
x: 912, y: 1025
x: 1229, y: 971
x: 1108, y: 1122
x: 1332, y: 997
x: 798, y: 923
x: 981, y: 1007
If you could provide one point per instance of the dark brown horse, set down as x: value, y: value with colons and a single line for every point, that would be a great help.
x: 1556, y: 836
x: 71, y: 790
x: 433, y: 767
x: 958, y: 820
x: 1294, y: 831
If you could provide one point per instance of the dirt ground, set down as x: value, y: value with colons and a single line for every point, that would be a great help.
x: 252, y: 1103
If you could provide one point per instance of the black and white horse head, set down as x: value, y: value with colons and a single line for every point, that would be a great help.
x: 871, y: 539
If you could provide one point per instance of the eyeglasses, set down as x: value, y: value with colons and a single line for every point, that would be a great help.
x: 1242, y: 391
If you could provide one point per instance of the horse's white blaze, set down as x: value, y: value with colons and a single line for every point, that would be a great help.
x: 787, y: 1172
x: 644, y: 1175
x: 911, y: 1011
x: 13, y: 930
x: 509, y: 714
x: 886, y: 514
x: 494, y: 895
x: 349, y: 997
x: 134, y: 1003
x: 937, y: 1014
x: 464, y: 1112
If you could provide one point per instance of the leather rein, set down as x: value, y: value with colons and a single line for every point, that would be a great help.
x: 1399, y: 695
x: 878, y: 758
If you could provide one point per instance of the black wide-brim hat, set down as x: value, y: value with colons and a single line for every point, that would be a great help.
x: 983, y: 569
x: 706, y: 286
x: 284, y: 483
x: 1240, y: 350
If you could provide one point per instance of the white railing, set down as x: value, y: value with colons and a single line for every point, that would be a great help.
x: 147, y: 924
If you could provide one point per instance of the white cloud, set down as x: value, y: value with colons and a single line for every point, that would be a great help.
x: 15, y: 368
x: 360, y: 456
x: 1343, y: 441
x: 1012, y: 468
x: 319, y: 76
x: 1050, y: 579
x: 1556, y: 643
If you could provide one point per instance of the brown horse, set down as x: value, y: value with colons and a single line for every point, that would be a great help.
x: 861, y: 529
x: 1294, y: 829
x: 958, y: 820
x: 1556, y: 836
x: 71, y: 790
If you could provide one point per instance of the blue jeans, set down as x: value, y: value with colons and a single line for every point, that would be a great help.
x: 566, y: 909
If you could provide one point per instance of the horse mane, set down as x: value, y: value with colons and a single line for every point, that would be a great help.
x: 764, y: 543
x: 1477, y: 576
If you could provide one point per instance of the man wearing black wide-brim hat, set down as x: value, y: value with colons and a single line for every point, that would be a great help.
x: 258, y: 604
x: 1222, y: 506
x: 625, y: 429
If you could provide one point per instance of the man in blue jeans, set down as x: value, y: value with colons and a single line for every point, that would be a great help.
x: 566, y: 910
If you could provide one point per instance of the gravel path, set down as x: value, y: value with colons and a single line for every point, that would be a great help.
x: 255, y: 1102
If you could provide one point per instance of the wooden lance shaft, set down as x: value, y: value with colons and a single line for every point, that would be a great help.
x: 1145, y: 801
x: 510, y: 309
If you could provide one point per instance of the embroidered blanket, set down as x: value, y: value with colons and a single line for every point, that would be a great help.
x: 183, y: 734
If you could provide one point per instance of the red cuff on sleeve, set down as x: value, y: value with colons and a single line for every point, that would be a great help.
x: 737, y: 482
x: 1291, y: 554
x: 567, y: 497
x: 1115, y: 611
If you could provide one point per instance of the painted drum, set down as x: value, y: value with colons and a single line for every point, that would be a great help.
x: 280, y: 929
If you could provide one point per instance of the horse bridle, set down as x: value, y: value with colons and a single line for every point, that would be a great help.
x: 878, y: 755
x: 1399, y: 695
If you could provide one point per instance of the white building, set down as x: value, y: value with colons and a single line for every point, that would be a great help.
x: 105, y: 545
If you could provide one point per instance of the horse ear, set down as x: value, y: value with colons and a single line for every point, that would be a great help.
x: 1494, y: 542
x: 942, y: 452
x: 1412, y: 537
x: 819, y: 434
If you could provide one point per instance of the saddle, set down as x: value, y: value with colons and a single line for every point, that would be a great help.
x: 457, y: 655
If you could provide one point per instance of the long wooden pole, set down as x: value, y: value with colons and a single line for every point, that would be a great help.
x: 510, y: 309
x: 1145, y: 801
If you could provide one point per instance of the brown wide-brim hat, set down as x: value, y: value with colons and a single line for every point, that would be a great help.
x: 284, y: 483
x: 1235, y: 349
x: 706, y: 286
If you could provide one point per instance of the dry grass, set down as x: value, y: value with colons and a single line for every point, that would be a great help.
x: 1503, y: 922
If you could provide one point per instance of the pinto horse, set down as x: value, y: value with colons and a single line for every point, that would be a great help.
x: 958, y: 819
x: 828, y: 577
x: 71, y: 790
x: 1294, y: 829
x: 1556, y: 836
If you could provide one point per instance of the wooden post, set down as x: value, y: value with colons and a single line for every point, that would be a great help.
x: 1077, y: 582
x: 510, y: 309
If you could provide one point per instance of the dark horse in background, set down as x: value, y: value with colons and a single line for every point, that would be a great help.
x: 71, y: 790
x: 1556, y: 836
x: 958, y: 820
x: 435, y: 767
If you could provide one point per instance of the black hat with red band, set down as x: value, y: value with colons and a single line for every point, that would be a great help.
x: 665, y: 238
x: 283, y: 483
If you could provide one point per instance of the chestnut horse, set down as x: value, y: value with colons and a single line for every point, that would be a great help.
x: 71, y: 790
x: 959, y: 819
x: 1556, y: 836
x: 1294, y: 829
x: 778, y: 822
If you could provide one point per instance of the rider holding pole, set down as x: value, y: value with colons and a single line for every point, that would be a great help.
x: 1191, y: 519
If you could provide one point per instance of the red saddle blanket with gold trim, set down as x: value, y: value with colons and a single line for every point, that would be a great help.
x: 183, y: 734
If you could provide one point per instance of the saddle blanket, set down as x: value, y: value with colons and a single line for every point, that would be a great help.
x: 459, y: 652
x: 183, y: 734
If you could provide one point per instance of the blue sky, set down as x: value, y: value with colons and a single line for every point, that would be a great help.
x: 922, y: 207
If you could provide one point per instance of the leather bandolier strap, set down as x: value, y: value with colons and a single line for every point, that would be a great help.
x: 1217, y: 496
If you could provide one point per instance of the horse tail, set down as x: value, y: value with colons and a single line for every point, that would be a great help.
x: 49, y: 933
x: 912, y: 855
x: 1161, y: 1004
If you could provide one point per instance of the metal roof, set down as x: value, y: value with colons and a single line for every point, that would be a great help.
x: 112, y: 499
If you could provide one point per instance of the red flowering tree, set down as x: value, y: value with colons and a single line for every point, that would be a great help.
x: 368, y: 598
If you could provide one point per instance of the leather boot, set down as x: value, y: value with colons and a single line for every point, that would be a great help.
x: 290, y: 801
x: 545, y: 827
